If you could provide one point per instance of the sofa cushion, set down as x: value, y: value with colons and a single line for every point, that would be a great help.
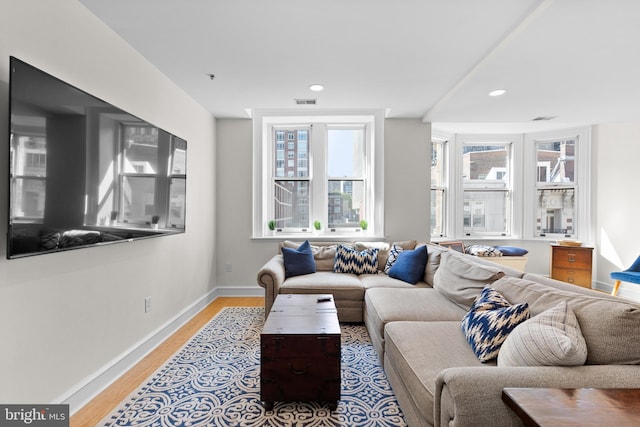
x: 409, y: 266
x: 298, y: 261
x: 342, y: 286
x: 433, y: 261
x: 610, y: 326
x: 370, y: 281
x: 552, y: 338
x: 415, y: 363
x: 461, y: 279
x: 349, y: 260
x: 385, y: 305
x: 489, y: 322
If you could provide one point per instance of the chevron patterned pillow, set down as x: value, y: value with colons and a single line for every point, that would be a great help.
x: 489, y: 322
x: 348, y: 260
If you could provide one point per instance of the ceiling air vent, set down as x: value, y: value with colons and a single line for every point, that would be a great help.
x: 305, y: 101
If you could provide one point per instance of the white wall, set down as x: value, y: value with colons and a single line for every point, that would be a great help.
x: 407, y: 176
x: 617, y: 152
x: 406, y: 188
x: 66, y: 316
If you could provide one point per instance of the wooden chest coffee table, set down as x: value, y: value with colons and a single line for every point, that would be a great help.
x: 300, y: 351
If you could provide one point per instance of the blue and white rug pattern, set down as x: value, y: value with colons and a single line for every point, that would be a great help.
x: 214, y: 380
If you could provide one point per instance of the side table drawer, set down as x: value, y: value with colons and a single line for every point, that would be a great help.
x: 573, y: 276
x: 571, y: 258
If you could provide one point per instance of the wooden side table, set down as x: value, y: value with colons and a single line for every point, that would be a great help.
x: 572, y: 264
x: 575, y: 407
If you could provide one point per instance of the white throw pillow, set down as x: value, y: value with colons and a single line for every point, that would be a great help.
x: 552, y: 338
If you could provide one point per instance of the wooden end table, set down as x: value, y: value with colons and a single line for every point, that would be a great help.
x: 575, y: 407
x: 300, y: 351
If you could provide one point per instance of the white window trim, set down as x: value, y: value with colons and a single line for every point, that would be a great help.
x: 456, y: 201
x: 441, y: 139
x: 584, y: 214
x: 523, y: 170
x: 263, y: 120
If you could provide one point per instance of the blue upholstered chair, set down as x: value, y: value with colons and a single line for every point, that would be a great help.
x: 631, y: 275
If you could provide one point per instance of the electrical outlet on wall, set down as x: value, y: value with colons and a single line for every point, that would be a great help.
x: 147, y: 304
x: 228, y: 267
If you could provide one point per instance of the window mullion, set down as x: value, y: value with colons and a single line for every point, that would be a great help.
x: 317, y: 174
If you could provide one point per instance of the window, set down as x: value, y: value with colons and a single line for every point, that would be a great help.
x: 290, y: 196
x: 486, y: 188
x: 146, y: 183
x: 177, y: 184
x: 438, y: 189
x: 28, y: 176
x: 531, y: 186
x: 345, y: 177
x: 138, y: 177
x: 329, y: 176
x: 555, y: 188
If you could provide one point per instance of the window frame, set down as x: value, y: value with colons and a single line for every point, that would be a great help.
x: 24, y: 177
x: 264, y: 159
x: 443, y: 188
x: 472, y: 231
x: 583, y: 229
x: 523, y: 169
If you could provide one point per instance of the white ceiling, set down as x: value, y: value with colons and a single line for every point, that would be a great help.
x: 434, y: 59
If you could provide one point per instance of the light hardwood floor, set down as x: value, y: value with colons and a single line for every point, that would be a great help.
x: 105, y: 402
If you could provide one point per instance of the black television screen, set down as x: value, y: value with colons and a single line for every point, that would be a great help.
x: 83, y: 172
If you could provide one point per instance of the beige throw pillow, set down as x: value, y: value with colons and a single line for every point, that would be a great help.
x: 461, y: 280
x: 552, y: 338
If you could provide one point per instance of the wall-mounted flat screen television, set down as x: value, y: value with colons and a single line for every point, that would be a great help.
x: 83, y: 172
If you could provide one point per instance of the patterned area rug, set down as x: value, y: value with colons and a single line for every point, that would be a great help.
x: 214, y: 380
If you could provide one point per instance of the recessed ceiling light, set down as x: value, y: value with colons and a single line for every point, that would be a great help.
x: 497, y: 92
x: 316, y: 87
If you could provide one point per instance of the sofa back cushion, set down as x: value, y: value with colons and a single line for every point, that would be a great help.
x: 610, y: 326
x: 462, y: 280
x: 433, y: 261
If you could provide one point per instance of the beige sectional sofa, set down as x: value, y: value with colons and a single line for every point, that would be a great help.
x: 416, y: 330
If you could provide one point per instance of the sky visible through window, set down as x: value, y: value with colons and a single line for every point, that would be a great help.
x: 340, y: 149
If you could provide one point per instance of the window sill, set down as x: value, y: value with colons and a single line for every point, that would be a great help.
x: 321, y: 237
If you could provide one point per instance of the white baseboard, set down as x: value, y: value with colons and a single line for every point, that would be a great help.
x: 628, y: 291
x: 253, y: 291
x: 91, y: 386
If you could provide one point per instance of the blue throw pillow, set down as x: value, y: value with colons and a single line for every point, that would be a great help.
x: 409, y: 265
x: 298, y: 261
x: 512, y: 250
x: 489, y: 321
